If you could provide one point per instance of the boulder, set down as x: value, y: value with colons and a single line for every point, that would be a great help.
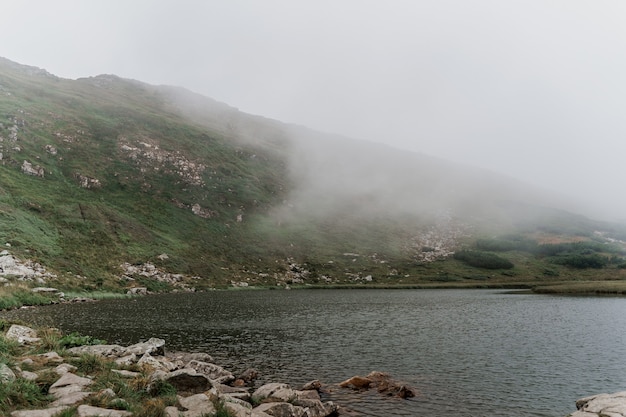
x: 101, y: 350
x: 154, y: 346
x: 214, y: 372
x: 22, y: 334
x: 313, y: 385
x: 610, y: 405
x: 70, y: 398
x: 268, y: 391
x: 51, y: 357
x: 6, y: 374
x: 281, y: 410
x: 356, y: 382
x: 67, y: 384
x: 29, y: 376
x: 64, y: 368
x: 197, y: 405
x: 316, y: 408
x: 188, y: 381
x: 237, y: 410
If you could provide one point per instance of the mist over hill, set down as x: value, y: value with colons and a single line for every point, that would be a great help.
x: 102, y: 173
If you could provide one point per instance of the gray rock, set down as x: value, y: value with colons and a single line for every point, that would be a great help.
x: 29, y: 376
x: 197, y: 405
x: 316, y: 408
x: 70, y: 398
x: 281, y: 410
x: 100, y: 350
x: 68, y: 383
x: 172, y: 412
x: 238, y: 410
x: 188, y: 380
x: 6, y: 374
x: 89, y: 411
x: 126, y: 374
x: 214, y: 372
x: 126, y: 360
x: 154, y: 346
x: 22, y: 334
x: 605, y: 405
x: 51, y: 357
x: 48, y: 412
x: 64, y: 368
x: 268, y: 390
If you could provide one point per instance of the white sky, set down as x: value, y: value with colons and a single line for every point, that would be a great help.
x: 535, y: 89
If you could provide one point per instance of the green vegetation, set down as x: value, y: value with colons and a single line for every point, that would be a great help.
x: 125, y: 177
x: 484, y: 260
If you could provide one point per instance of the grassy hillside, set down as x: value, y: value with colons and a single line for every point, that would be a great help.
x: 102, y: 171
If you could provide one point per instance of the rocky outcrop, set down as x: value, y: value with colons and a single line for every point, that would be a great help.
x: 10, y: 266
x: 29, y: 169
x: 601, y: 405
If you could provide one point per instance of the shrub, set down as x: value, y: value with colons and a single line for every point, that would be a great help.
x: 76, y: 339
x: 484, y: 260
x: 583, y: 261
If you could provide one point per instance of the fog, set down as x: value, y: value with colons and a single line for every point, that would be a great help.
x: 531, y: 89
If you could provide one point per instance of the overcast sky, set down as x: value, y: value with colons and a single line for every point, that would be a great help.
x: 535, y: 89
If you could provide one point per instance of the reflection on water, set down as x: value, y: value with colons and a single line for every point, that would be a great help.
x: 468, y: 352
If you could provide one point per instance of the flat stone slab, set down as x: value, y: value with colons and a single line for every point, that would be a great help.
x: 89, y: 411
x: 48, y: 412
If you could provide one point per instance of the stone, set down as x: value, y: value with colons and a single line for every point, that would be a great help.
x: 267, y: 391
x: 316, y: 408
x: 356, y: 382
x: 126, y: 360
x: 172, y: 412
x: 22, y: 334
x: 51, y: 357
x: 149, y: 360
x: 68, y: 383
x: 70, y: 398
x: 312, y: 385
x: 100, y: 350
x: 89, y: 411
x: 64, y: 368
x: 29, y: 376
x: 281, y: 410
x: 188, y: 380
x: 197, y: 405
x: 154, y: 346
x: 126, y: 374
x: 48, y: 412
x: 6, y: 374
x: 248, y: 376
x: 238, y: 410
x: 214, y: 372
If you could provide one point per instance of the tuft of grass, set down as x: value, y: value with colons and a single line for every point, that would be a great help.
x: 21, y: 394
x: 91, y: 364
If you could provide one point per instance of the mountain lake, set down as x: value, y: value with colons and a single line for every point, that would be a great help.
x: 466, y: 352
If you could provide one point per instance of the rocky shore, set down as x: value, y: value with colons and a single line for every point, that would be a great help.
x: 172, y: 384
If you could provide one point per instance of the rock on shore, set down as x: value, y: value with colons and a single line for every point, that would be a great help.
x: 200, y: 385
x: 602, y: 405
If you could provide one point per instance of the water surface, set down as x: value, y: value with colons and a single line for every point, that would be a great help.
x: 468, y: 352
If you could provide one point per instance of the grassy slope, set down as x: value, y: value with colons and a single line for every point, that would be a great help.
x: 144, y: 205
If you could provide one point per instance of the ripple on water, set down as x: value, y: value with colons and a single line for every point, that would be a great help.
x: 468, y: 353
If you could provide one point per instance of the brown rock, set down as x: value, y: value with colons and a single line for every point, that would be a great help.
x: 356, y: 382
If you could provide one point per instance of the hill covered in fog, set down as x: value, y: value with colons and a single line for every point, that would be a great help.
x: 112, y: 183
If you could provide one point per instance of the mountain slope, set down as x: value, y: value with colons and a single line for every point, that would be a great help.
x: 101, y: 172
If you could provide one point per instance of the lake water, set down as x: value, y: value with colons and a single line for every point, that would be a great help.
x: 467, y: 352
